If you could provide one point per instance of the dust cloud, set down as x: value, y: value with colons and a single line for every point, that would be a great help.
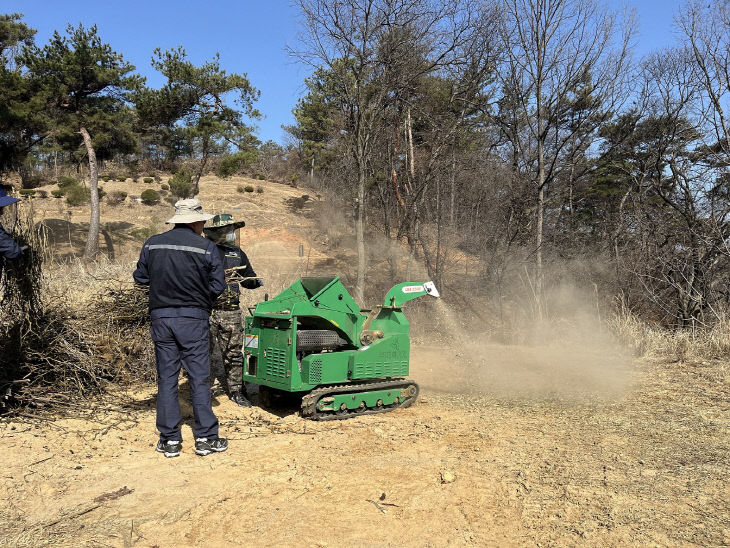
x: 568, y: 355
x: 559, y: 350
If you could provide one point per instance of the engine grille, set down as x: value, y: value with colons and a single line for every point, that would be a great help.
x: 315, y: 372
x: 376, y: 370
x: 276, y: 362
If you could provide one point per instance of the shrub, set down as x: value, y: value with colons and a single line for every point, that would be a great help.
x: 165, y: 186
x: 145, y: 233
x: 148, y: 180
x: 116, y: 197
x: 241, y: 189
x: 135, y: 179
x: 260, y: 189
x: 262, y: 177
x: 27, y: 192
x: 58, y: 193
x: 76, y: 195
x: 41, y: 193
x: 100, y: 191
x: 157, y: 177
x: 65, y: 181
x: 249, y: 188
x: 105, y: 178
x: 150, y: 197
x: 181, y: 183
x: 122, y: 178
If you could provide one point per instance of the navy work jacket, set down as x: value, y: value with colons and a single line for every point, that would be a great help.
x: 184, y: 273
x: 8, y: 247
x: 233, y: 256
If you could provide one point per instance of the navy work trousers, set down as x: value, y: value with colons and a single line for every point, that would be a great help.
x: 183, y: 342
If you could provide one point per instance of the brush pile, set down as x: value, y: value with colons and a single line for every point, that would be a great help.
x: 53, y: 350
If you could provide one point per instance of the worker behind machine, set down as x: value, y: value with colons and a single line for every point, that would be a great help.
x: 226, y: 328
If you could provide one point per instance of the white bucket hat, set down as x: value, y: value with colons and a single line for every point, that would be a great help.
x: 188, y: 211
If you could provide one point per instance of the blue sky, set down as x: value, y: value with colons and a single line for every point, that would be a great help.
x: 251, y: 36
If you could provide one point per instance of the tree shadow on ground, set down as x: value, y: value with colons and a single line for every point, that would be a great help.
x: 68, y: 240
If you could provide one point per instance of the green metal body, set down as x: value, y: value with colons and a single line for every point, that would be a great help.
x: 324, y: 304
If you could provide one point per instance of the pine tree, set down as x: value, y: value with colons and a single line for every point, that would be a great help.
x: 86, y: 87
x: 198, y: 97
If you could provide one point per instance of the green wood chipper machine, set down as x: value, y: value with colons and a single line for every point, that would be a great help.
x: 313, y: 339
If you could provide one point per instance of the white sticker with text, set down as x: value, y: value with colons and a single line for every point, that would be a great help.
x: 413, y: 289
x: 252, y: 341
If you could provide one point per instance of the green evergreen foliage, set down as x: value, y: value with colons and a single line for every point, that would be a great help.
x: 22, y: 120
x: 260, y: 189
x: 87, y: 85
x: 58, y: 193
x: 181, y: 183
x: 150, y: 197
x: 105, y: 178
x: 230, y: 164
x: 249, y: 188
x: 165, y: 186
x: 315, y: 115
x: 65, y: 181
x: 211, y: 104
x: 149, y: 180
x: 76, y: 195
x: 27, y: 192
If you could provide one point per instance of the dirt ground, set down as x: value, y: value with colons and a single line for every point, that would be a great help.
x: 647, y: 466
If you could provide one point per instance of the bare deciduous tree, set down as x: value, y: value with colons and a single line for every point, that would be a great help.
x: 360, y: 44
x: 553, y: 47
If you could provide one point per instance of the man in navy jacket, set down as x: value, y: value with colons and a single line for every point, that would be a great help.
x: 185, y: 276
x: 8, y: 247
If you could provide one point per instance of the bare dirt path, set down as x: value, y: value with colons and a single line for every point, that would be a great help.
x: 648, y: 467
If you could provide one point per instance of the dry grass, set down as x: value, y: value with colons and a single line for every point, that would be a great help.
x: 644, y: 340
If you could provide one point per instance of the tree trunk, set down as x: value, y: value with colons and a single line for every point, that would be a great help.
x: 201, y: 167
x: 92, y: 240
x: 540, y: 214
x: 410, y: 146
x: 571, y: 182
x: 360, y: 235
x: 452, y: 197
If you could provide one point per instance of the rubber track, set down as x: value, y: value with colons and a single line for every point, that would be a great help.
x: 309, y: 402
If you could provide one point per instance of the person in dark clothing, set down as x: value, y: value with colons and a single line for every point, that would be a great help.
x: 9, y: 248
x: 185, y: 276
x: 226, y: 329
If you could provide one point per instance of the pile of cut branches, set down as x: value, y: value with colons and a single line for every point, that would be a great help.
x: 52, y: 351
